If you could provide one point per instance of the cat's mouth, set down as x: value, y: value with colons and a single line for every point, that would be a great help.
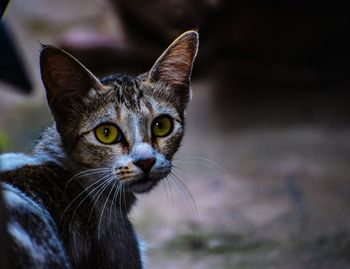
x: 144, y: 182
x: 141, y: 185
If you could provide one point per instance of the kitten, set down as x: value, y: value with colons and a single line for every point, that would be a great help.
x: 68, y: 203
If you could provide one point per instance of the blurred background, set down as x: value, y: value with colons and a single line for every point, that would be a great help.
x: 267, y: 149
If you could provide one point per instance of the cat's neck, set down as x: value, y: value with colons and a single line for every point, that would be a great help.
x: 50, y: 149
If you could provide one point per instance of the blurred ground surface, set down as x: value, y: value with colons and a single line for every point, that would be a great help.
x: 266, y: 197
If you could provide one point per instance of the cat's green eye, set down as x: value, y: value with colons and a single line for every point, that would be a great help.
x: 162, y: 126
x: 107, y: 133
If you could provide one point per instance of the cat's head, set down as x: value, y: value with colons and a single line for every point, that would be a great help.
x: 130, y: 126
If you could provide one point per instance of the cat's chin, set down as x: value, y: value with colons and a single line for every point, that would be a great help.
x: 142, y: 185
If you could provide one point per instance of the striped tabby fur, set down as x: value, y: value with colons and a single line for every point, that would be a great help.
x: 68, y: 202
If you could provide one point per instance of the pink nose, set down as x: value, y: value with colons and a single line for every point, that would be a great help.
x: 145, y: 164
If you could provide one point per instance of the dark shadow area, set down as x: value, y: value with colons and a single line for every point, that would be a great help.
x: 272, y: 63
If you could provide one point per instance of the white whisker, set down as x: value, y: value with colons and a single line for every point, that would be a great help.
x: 203, y: 159
x: 171, y: 195
x: 101, y: 182
x: 188, y: 196
x: 120, y: 203
x: 103, y: 208
x: 87, y: 173
x: 200, y: 164
x: 115, y: 194
x: 125, y: 204
x: 184, y: 172
x: 81, y: 193
x: 94, y: 200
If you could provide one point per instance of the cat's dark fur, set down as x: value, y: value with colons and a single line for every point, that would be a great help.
x: 68, y: 203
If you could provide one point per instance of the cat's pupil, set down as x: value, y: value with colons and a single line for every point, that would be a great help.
x: 106, y: 132
x: 159, y: 125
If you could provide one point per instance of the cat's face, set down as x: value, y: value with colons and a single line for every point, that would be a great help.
x: 134, y: 134
x: 130, y: 126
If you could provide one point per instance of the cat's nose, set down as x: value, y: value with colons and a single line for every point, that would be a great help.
x: 145, y: 164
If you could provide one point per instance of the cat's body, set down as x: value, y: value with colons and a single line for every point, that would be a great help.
x: 89, y: 245
x: 33, y: 239
x: 111, y: 139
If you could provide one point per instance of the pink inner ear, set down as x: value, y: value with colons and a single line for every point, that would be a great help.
x: 174, y: 66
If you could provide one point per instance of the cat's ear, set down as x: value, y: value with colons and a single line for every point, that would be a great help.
x: 174, y: 67
x: 64, y: 78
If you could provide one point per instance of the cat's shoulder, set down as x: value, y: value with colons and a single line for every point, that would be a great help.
x: 12, y: 161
